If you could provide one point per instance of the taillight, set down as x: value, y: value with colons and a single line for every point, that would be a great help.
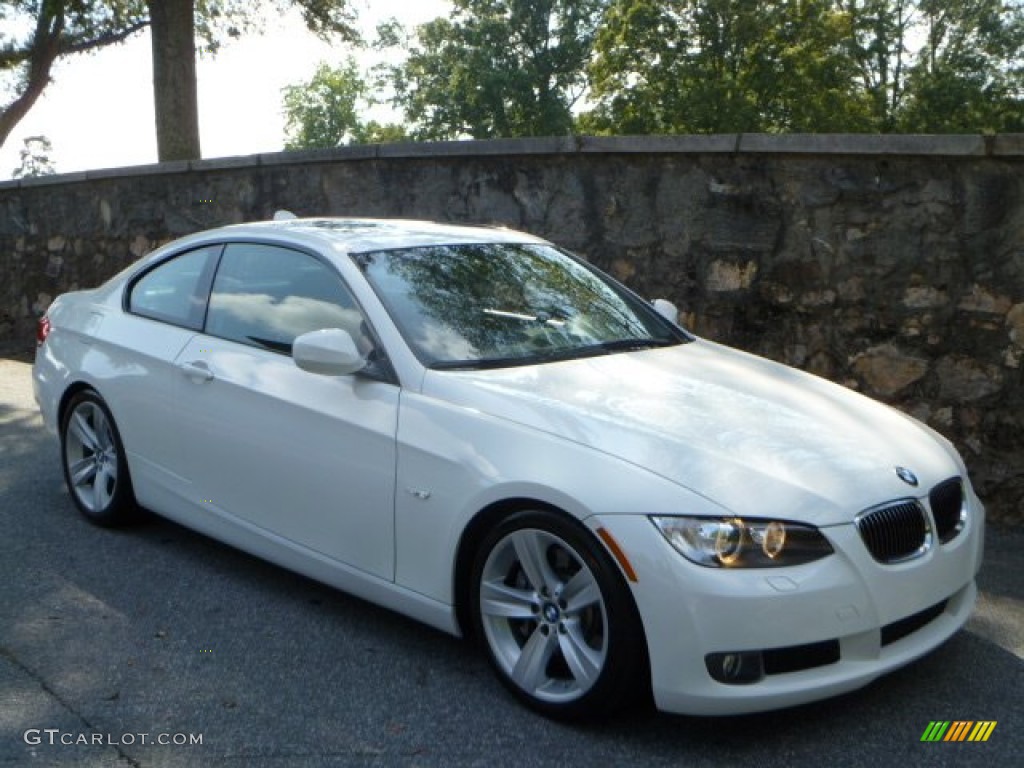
x: 42, y: 330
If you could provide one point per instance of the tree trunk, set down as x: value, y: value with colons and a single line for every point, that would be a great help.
x: 172, y: 23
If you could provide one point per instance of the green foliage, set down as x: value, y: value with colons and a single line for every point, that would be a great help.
x: 940, y: 65
x: 520, y: 67
x: 373, y: 132
x: 969, y: 75
x: 326, y: 111
x: 723, y: 65
x: 805, y: 80
x: 709, y: 66
x: 497, y: 68
x: 878, y: 45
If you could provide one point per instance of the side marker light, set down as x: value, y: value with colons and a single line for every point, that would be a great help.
x: 616, y: 550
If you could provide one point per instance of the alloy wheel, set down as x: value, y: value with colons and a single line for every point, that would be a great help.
x: 543, y: 615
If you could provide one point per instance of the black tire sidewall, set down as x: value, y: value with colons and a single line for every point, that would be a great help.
x: 121, y: 509
x: 621, y: 680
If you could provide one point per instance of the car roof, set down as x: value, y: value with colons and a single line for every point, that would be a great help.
x: 358, y: 235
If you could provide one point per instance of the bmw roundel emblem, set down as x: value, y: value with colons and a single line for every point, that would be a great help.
x: 906, y: 476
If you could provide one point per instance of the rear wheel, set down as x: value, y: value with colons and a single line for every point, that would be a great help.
x: 556, y: 617
x: 94, y: 463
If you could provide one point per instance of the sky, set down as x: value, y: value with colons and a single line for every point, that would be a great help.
x: 98, y: 111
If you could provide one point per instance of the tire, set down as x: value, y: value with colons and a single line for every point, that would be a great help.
x: 556, y: 617
x: 93, y: 459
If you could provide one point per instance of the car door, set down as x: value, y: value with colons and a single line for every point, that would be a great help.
x: 306, y: 457
x: 164, y: 309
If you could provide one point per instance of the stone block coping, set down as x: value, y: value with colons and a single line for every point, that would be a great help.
x: 938, y: 145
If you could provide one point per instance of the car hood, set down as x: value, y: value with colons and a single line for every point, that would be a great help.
x: 756, y: 438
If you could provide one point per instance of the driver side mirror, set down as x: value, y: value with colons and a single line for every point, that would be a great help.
x: 666, y: 309
x: 330, y: 352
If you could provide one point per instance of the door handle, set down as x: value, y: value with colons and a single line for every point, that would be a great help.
x: 197, y: 370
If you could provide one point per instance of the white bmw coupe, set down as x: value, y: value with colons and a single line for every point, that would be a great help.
x: 474, y: 428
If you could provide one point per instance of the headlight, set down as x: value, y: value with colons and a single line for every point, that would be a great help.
x: 735, y: 543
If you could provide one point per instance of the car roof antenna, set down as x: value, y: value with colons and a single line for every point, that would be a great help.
x: 283, y: 215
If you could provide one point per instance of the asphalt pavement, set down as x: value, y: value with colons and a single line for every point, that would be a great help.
x: 156, y: 646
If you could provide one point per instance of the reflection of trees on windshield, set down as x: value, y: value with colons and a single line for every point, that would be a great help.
x: 498, y: 301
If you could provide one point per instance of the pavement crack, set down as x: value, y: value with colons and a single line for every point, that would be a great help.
x: 39, y: 680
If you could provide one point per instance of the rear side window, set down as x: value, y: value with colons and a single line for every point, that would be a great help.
x: 175, y: 290
x: 266, y: 295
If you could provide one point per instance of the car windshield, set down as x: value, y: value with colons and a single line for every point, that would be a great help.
x: 496, y: 304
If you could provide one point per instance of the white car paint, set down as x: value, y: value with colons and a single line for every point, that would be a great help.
x: 369, y: 485
x: 813, y: 449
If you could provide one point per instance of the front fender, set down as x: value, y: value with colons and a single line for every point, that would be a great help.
x: 454, y: 462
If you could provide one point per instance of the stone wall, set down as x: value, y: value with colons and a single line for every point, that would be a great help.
x: 894, y: 265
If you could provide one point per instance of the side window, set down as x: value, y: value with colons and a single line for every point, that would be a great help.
x: 175, y: 290
x: 266, y: 295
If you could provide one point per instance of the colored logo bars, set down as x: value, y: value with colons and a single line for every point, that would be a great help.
x: 958, y: 730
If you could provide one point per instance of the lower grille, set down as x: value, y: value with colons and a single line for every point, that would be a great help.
x: 900, y: 629
x: 895, y: 532
x: 947, y: 502
x: 778, y: 661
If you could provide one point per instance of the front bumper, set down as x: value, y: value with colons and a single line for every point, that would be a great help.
x: 876, y: 615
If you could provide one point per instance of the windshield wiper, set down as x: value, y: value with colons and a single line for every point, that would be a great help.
x: 553, y: 355
x: 535, y: 358
x: 625, y: 345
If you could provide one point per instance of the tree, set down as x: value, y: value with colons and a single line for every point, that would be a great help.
x: 326, y: 111
x: 373, y: 132
x: 881, y: 33
x: 176, y: 25
x: 634, y: 75
x: 722, y: 65
x: 969, y: 75
x: 804, y: 78
x: 51, y: 29
x: 940, y: 65
x: 808, y: 65
x: 35, y: 158
x: 497, y: 68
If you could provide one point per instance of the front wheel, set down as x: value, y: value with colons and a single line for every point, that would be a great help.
x: 556, y: 617
x: 93, y: 459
